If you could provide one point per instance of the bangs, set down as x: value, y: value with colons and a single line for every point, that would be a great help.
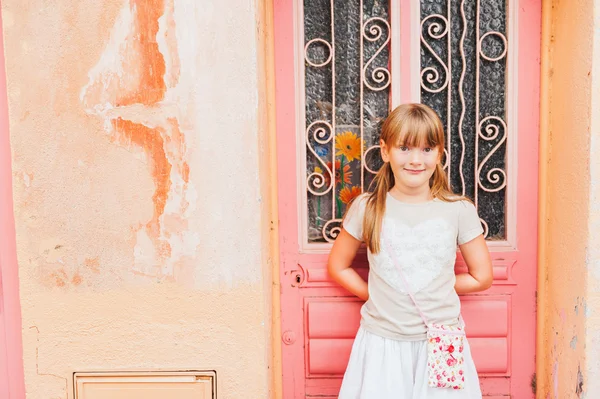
x: 417, y: 131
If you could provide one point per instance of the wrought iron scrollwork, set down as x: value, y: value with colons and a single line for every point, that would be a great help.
x: 464, y: 51
x: 332, y: 229
x: 317, y: 182
x: 436, y: 26
x: 373, y: 30
x: 489, y: 129
x: 314, y: 63
x: 345, y: 59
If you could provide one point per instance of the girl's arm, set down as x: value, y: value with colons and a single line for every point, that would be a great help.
x: 479, y: 264
x: 340, y: 259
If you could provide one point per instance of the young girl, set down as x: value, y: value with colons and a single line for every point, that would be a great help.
x: 411, y: 224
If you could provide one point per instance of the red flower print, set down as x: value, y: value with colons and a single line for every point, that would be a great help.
x: 451, y: 362
x: 338, y: 173
x: 451, y: 349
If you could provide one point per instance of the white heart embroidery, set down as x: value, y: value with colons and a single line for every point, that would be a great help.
x: 422, y: 252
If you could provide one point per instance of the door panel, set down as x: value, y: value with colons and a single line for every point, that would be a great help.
x: 488, y: 100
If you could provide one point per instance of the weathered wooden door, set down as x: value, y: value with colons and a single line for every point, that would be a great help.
x: 340, y: 67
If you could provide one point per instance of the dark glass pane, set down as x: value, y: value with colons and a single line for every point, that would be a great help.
x: 449, y: 62
x: 346, y: 99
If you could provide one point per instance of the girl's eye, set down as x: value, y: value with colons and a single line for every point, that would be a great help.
x: 403, y: 148
x: 428, y: 149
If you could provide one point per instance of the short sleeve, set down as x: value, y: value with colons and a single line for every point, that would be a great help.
x: 469, y: 225
x: 353, y: 222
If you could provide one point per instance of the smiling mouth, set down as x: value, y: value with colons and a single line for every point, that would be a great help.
x: 415, y: 170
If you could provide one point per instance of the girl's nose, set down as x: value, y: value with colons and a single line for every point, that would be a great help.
x: 415, y: 157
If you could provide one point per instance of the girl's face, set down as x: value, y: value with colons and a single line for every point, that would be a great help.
x: 412, y: 165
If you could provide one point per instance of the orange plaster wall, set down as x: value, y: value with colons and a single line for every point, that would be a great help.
x: 141, y: 201
x: 592, y: 308
x: 567, y: 196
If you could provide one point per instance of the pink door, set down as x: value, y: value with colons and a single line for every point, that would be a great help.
x: 340, y: 67
x: 11, y: 360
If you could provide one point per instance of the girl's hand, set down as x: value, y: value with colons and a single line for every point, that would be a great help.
x: 340, y: 259
x: 479, y: 264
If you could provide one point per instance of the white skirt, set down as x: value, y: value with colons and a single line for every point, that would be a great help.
x: 383, y: 368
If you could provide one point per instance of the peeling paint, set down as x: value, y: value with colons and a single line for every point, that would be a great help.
x: 167, y: 44
x: 579, y: 386
x: 573, y: 343
x: 93, y: 264
x: 77, y: 279
x: 141, y: 48
x: 59, y: 278
x: 126, y: 90
x: 129, y: 252
x: 27, y: 179
x: 152, y: 142
x: 131, y: 69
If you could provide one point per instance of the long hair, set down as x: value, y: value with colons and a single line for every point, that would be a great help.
x: 413, y: 125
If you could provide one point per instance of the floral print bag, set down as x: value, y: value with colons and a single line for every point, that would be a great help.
x: 445, y: 357
x: 445, y: 347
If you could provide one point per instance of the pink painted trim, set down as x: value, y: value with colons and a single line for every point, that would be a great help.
x: 396, y: 50
x: 528, y: 14
x: 284, y: 14
x: 12, y: 382
x: 405, y: 52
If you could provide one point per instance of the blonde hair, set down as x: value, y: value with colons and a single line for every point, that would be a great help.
x: 413, y: 125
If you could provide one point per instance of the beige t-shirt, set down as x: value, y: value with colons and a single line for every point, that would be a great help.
x: 423, y: 239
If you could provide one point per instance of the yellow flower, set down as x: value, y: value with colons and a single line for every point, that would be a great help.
x: 347, y: 194
x: 348, y: 145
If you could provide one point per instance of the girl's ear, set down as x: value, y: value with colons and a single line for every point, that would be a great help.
x: 384, y: 151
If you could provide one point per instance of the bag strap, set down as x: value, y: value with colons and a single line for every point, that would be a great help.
x: 406, y: 285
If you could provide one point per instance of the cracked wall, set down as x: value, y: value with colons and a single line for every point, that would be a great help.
x: 138, y: 197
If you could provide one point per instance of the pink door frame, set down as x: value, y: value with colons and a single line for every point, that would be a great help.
x: 296, y: 267
x: 12, y: 384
